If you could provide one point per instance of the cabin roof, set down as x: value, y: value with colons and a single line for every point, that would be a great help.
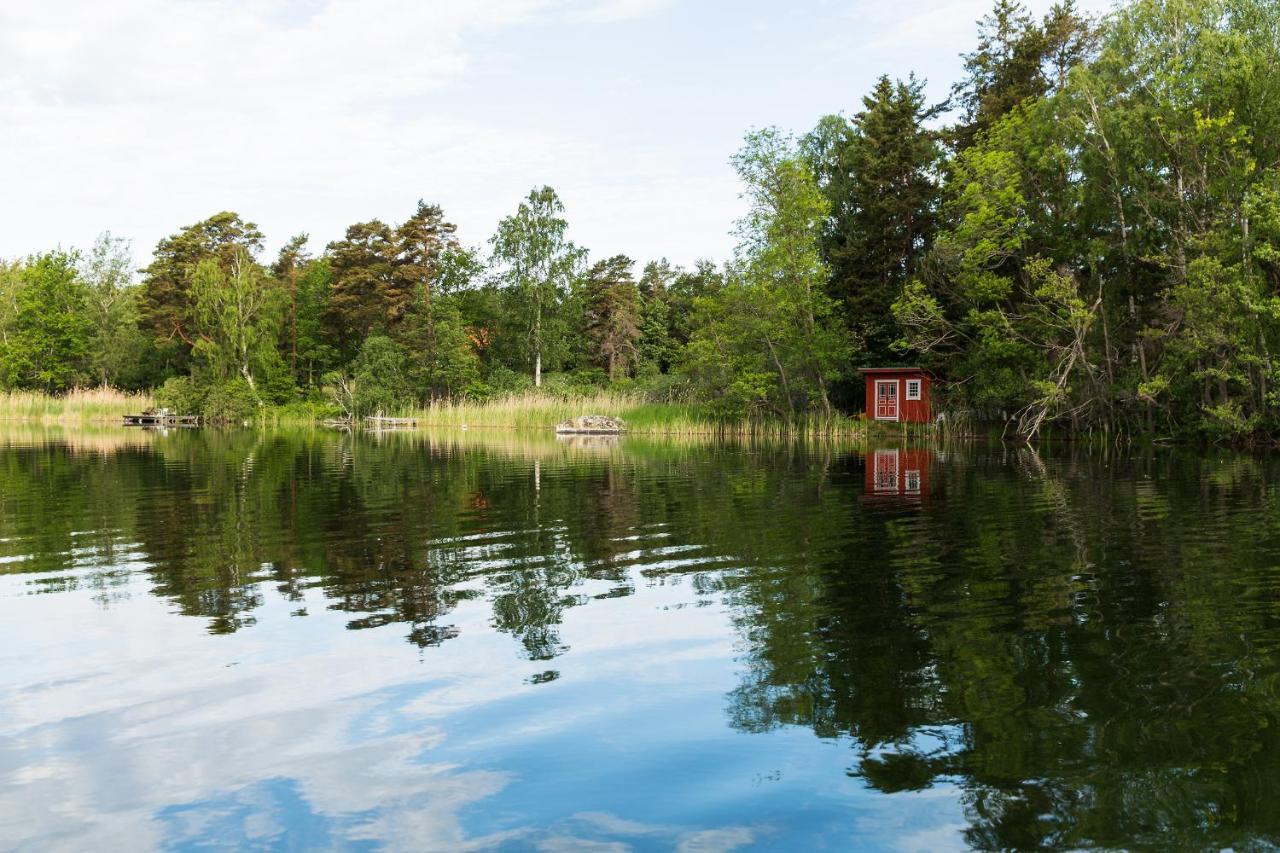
x: 893, y: 370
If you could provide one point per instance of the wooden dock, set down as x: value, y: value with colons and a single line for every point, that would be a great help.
x: 379, y: 422
x: 592, y: 425
x: 161, y: 419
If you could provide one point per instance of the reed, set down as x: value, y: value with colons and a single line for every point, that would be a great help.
x: 539, y: 411
x: 80, y: 406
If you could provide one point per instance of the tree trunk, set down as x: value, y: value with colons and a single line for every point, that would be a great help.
x: 537, y: 348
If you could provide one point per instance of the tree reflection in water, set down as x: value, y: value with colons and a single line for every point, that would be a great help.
x: 1084, y: 643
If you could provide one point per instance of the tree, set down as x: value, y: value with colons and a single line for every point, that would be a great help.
x: 10, y: 284
x: 612, y: 315
x: 289, y: 264
x: 423, y: 241
x: 1018, y: 59
x: 1107, y: 254
x: 880, y: 173
x: 378, y: 382
x: 536, y: 262
x: 119, y: 352
x: 317, y: 352
x: 440, y: 356
x: 47, y: 342
x: 366, y: 296
x: 770, y: 339
x: 237, y: 319
x: 657, y: 346
x: 166, y: 306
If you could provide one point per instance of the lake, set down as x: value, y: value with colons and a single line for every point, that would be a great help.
x: 502, y: 641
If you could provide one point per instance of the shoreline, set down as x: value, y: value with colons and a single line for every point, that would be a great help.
x: 105, y: 407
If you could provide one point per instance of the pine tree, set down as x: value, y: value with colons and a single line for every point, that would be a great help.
x: 1018, y: 59
x: 611, y: 315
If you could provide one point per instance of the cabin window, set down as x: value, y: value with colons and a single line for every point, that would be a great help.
x: 913, y: 389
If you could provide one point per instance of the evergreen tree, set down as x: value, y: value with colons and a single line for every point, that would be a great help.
x: 880, y: 181
x: 366, y: 294
x: 1018, y: 59
x: 166, y: 305
x: 288, y: 267
x: 657, y: 348
x: 611, y: 315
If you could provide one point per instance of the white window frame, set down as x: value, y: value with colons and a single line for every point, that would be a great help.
x: 919, y: 389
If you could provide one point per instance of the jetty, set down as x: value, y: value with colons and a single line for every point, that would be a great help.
x: 379, y: 422
x: 591, y: 425
x: 161, y: 418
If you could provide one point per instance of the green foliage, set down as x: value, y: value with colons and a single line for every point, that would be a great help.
x: 769, y: 341
x: 233, y: 401
x: 611, y: 316
x: 441, y: 358
x: 166, y: 306
x: 877, y: 171
x: 536, y: 262
x: 1095, y: 241
x: 48, y: 333
x: 236, y: 316
x: 1016, y: 60
x: 379, y: 380
x: 181, y: 395
x: 1108, y: 251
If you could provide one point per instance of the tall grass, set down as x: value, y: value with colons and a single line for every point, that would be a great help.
x: 541, y: 411
x: 82, y: 406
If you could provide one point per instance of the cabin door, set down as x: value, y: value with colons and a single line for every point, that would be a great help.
x: 886, y: 462
x: 886, y: 399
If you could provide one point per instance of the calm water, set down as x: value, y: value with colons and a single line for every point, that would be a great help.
x: 312, y: 641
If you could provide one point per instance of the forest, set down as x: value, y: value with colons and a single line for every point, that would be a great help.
x: 1085, y: 233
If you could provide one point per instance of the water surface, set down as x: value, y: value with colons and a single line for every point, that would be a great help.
x: 314, y: 641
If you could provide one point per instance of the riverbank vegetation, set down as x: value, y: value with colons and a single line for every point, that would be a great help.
x: 80, y: 406
x: 1086, y: 234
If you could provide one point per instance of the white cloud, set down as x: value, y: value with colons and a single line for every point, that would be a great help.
x: 609, y: 11
x: 145, y: 115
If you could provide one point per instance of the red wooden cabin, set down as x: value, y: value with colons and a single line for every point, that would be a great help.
x: 898, y: 394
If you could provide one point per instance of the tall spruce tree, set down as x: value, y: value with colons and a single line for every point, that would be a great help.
x: 881, y: 180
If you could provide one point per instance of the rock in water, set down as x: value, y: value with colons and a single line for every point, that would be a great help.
x: 592, y: 424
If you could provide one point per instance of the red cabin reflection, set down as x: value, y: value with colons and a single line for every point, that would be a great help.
x: 898, y: 472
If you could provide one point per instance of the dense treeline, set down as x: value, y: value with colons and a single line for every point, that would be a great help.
x: 1087, y: 232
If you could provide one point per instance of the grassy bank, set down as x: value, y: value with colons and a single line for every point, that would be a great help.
x: 529, y: 411
x: 91, y: 406
x: 533, y: 411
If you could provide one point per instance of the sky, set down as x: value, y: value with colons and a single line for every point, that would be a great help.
x: 141, y: 116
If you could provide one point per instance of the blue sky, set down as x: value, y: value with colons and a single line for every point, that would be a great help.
x: 140, y: 116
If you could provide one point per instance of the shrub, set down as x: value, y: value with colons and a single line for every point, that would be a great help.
x: 230, y: 402
x: 179, y: 394
x: 380, y: 378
